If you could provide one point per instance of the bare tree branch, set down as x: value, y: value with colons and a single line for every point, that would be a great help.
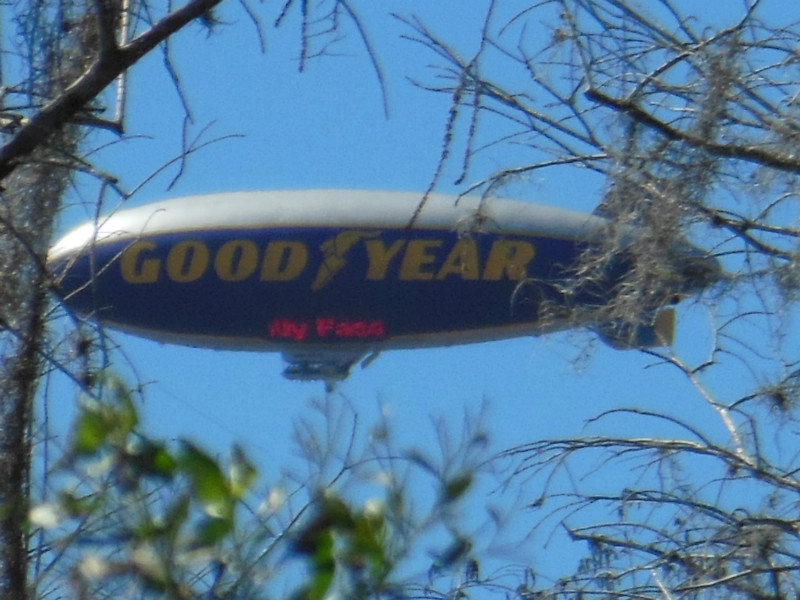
x: 110, y: 62
x: 753, y: 154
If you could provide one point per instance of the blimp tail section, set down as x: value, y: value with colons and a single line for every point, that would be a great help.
x: 629, y: 336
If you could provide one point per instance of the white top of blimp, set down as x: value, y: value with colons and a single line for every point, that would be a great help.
x: 332, y: 208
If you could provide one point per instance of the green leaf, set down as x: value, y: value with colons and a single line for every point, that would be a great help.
x: 152, y: 567
x: 455, y: 487
x: 90, y: 432
x: 162, y: 462
x: 118, y: 396
x: 76, y: 506
x: 177, y: 516
x: 324, y: 567
x: 208, y: 481
x: 152, y: 458
x: 109, y: 420
x: 212, y: 530
x: 242, y: 473
x: 332, y: 514
x: 368, y: 539
x: 168, y: 526
x: 455, y: 552
x: 126, y: 413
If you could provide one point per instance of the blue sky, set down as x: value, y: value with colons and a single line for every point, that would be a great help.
x: 325, y: 128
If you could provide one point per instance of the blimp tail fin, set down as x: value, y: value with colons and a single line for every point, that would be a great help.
x: 628, y: 336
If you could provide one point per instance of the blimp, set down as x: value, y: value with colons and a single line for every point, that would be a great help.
x: 330, y: 278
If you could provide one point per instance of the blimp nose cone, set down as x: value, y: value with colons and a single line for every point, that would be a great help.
x: 63, y: 259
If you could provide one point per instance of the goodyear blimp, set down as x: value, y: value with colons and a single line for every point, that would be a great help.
x: 330, y: 276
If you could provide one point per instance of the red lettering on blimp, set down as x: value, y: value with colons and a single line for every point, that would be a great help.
x: 287, y: 329
x: 332, y: 328
x: 326, y: 328
x: 418, y: 259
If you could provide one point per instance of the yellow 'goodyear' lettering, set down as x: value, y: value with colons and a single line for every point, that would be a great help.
x: 417, y: 259
x: 510, y: 258
x: 462, y: 261
x: 187, y: 261
x: 136, y: 267
x: 236, y: 260
x: 379, y: 257
x: 284, y: 261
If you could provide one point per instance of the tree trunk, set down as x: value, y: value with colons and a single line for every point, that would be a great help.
x: 29, y: 206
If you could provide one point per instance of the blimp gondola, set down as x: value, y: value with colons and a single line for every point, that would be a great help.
x: 328, y: 277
